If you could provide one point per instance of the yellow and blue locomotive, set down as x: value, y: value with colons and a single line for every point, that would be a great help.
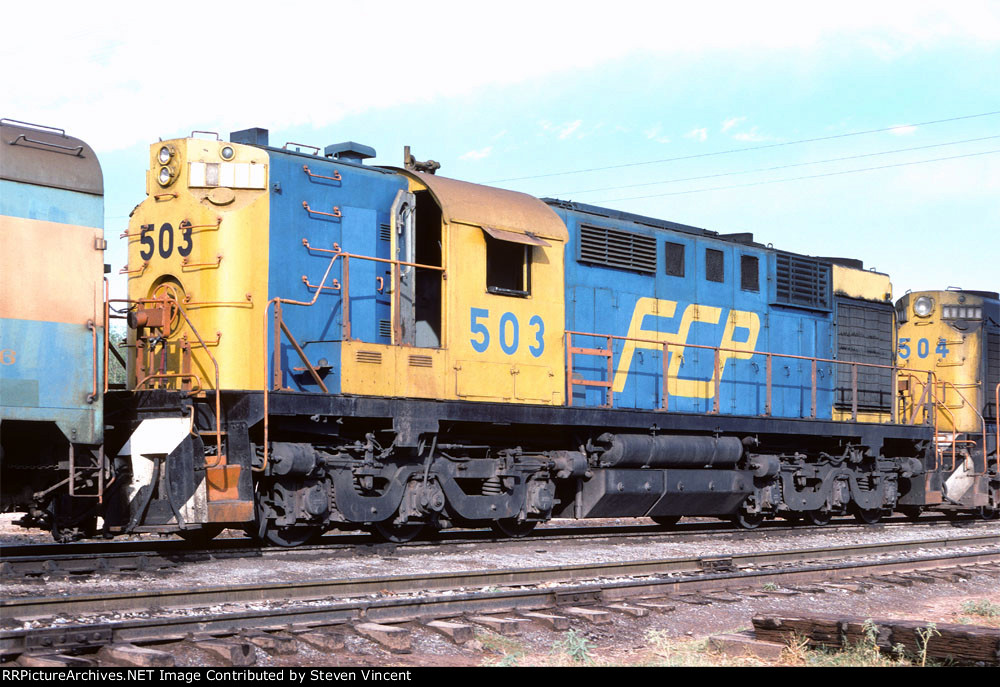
x: 51, y: 328
x: 320, y: 343
x: 949, y: 352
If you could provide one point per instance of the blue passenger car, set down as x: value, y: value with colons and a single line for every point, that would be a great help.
x: 51, y: 323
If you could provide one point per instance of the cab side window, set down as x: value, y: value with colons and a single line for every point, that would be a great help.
x: 508, y: 267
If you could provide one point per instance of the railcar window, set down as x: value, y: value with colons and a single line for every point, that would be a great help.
x: 749, y: 273
x: 675, y: 259
x: 508, y: 267
x: 715, y: 265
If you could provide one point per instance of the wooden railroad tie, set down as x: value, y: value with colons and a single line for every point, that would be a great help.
x: 963, y: 644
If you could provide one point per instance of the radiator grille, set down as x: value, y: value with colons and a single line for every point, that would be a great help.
x: 802, y: 281
x: 385, y: 232
x: 421, y: 361
x: 616, y: 248
x: 992, y: 371
x: 864, y: 335
x: 385, y: 328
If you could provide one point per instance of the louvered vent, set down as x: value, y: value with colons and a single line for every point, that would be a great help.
x: 385, y: 328
x: 369, y: 357
x: 615, y: 248
x: 992, y: 371
x: 385, y: 232
x: 802, y: 281
x: 421, y: 361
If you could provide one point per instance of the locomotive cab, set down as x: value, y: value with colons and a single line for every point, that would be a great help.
x: 949, y: 348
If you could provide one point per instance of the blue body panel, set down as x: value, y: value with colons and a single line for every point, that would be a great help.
x: 364, y: 197
x: 604, y: 300
x: 50, y: 372
x: 28, y: 201
x: 50, y: 377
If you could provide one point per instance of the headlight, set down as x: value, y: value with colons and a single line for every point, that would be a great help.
x: 165, y: 176
x: 923, y: 306
x: 228, y: 153
x: 164, y: 155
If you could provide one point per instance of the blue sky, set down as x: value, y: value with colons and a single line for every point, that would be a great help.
x: 532, y: 89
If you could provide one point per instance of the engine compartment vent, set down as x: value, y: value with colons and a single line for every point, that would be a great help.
x: 617, y: 248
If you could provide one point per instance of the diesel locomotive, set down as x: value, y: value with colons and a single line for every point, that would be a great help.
x: 949, y: 348
x: 318, y: 343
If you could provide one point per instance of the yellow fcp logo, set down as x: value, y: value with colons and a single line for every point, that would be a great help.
x: 653, y: 339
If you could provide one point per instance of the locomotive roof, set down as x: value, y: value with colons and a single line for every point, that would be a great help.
x: 69, y: 163
x: 742, y: 238
x: 488, y: 206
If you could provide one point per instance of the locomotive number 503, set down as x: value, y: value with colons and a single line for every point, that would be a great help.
x: 162, y: 240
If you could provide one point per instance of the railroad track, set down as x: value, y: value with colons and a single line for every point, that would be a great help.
x: 110, y: 557
x: 34, y: 624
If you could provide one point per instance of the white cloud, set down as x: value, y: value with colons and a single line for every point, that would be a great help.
x: 567, y: 130
x: 564, y: 131
x: 115, y: 74
x: 752, y: 136
x: 477, y: 154
x: 697, y: 134
x: 903, y: 130
x: 731, y: 122
x: 654, y: 134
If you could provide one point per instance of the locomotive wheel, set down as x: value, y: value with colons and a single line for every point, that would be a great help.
x: 399, y: 534
x: 986, y: 513
x: 266, y: 531
x: 912, y: 513
x: 510, y: 527
x: 818, y: 517
x: 748, y: 521
x: 202, y: 535
x: 867, y: 516
x: 295, y: 535
x: 83, y: 530
x: 665, y: 520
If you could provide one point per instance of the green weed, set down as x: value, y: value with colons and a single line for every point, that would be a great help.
x: 576, y: 646
x: 983, y: 607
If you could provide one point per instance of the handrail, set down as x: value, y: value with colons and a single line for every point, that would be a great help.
x: 276, y: 301
x: 996, y: 422
x: 608, y: 352
x: 140, y: 381
x: 280, y: 327
x: 92, y: 326
x: 944, y: 385
x: 336, y: 175
x: 928, y: 398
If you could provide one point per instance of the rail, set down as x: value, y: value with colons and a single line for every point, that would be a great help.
x: 718, y: 367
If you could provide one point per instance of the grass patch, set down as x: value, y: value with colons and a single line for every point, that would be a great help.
x: 865, y: 653
x: 576, y: 647
x: 511, y: 651
x: 670, y: 652
x: 983, y: 607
